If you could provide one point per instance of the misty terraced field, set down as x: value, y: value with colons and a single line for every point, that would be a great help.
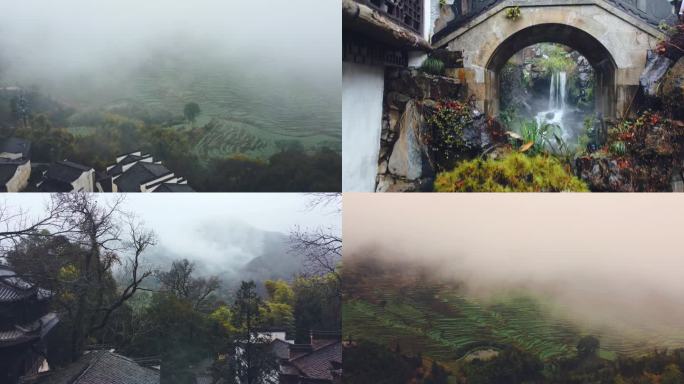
x: 448, y: 327
x: 251, y: 116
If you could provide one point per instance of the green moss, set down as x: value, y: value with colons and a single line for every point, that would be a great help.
x: 554, y: 59
x: 433, y: 66
x: 514, y: 173
x: 513, y: 13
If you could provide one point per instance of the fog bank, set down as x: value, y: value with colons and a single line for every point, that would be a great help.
x: 61, y: 45
x: 610, y: 261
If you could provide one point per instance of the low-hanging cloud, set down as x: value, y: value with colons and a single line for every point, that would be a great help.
x: 57, y: 44
x: 611, y: 261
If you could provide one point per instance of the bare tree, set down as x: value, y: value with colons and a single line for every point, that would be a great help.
x: 17, y: 224
x: 105, y: 232
x: 321, y: 248
x: 332, y: 201
x: 179, y: 281
x: 140, y: 240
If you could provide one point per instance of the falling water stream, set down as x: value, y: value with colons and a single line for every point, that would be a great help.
x: 556, y: 109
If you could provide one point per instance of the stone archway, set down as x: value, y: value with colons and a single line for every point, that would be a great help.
x: 597, y: 55
x: 613, y: 40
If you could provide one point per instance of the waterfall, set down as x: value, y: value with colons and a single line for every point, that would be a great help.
x: 556, y: 107
x: 557, y: 91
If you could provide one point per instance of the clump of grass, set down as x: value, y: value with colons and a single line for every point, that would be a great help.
x: 433, y: 66
x: 554, y: 59
x: 513, y: 13
x: 514, y: 173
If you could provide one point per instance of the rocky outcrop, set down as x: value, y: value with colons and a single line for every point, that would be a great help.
x: 407, y: 160
x: 656, y: 68
x: 672, y: 90
x: 414, y: 84
x: 652, y: 162
x: 604, y: 174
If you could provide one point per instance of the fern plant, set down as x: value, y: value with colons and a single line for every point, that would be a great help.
x: 513, y: 13
x: 433, y: 66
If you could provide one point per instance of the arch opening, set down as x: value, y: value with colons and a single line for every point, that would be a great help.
x: 586, y: 45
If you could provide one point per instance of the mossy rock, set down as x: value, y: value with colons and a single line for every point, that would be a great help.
x: 672, y: 89
x: 514, y: 173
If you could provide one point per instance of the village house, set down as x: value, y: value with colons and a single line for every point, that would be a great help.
x: 67, y: 176
x: 15, y: 164
x: 138, y: 172
x: 97, y: 367
x: 319, y: 362
x: 25, y: 321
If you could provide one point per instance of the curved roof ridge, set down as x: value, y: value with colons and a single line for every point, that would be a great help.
x: 485, y: 5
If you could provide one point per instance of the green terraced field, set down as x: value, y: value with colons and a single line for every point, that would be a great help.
x: 253, y: 116
x: 447, y: 326
x: 468, y: 326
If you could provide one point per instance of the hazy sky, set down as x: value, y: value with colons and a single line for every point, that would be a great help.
x: 616, y: 258
x: 203, y: 227
x: 46, y: 38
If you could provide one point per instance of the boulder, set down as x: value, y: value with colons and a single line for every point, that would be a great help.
x: 418, y: 85
x: 604, y: 174
x: 409, y: 159
x: 389, y: 183
x: 672, y: 89
x: 656, y: 68
x: 451, y: 59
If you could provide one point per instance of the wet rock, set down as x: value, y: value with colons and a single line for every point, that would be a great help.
x: 389, y: 183
x: 659, y: 142
x: 408, y: 158
x: 672, y: 89
x: 418, y: 85
x: 382, y: 168
x: 451, y: 59
x: 656, y: 68
x: 604, y: 174
x: 396, y: 100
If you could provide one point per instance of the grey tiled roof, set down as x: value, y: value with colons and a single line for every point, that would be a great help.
x: 26, y: 332
x: 318, y: 364
x: 66, y: 171
x: 102, y: 367
x: 139, y: 174
x: 14, y: 288
x: 8, y: 168
x: 15, y: 145
x: 174, y: 187
x: 127, y: 159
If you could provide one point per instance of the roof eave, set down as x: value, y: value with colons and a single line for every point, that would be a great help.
x: 365, y: 20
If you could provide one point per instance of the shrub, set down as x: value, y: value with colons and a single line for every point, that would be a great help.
x: 433, y: 66
x: 448, y: 122
x: 513, y: 13
x: 514, y: 173
x: 618, y: 148
x: 554, y: 59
